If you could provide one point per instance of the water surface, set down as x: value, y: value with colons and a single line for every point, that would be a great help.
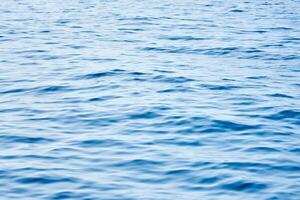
x: 149, y: 100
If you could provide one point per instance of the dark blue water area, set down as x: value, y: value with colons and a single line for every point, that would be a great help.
x: 144, y: 100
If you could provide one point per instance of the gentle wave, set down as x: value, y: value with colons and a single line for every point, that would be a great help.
x: 149, y: 100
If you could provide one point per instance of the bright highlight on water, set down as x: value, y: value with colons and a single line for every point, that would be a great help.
x: 149, y: 100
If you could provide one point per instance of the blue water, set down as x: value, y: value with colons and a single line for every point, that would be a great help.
x: 150, y: 100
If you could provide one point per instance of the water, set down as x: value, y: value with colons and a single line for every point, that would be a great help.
x: 149, y: 100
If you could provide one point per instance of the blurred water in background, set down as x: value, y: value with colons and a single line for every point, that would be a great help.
x: 150, y: 99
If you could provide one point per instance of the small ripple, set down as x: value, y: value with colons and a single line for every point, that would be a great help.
x: 99, y: 60
x: 179, y: 172
x: 98, y: 75
x: 228, y: 125
x: 31, y: 51
x: 209, y: 180
x: 98, y: 143
x: 144, y: 115
x: 74, y: 46
x: 177, y: 142
x: 140, y: 164
x: 295, y: 150
x: 280, y: 29
x: 102, y: 74
x: 31, y: 156
x: 43, y: 57
x: 12, y: 91
x: 46, y: 180
x: 284, y: 114
x: 280, y: 95
x: 179, y: 79
x: 259, y: 167
x: 257, y: 77
x: 24, y: 139
x: 54, y: 88
x: 204, y: 181
x: 103, y: 98
x: 244, y: 186
x: 70, y: 195
x: 183, y: 38
x: 262, y: 150
x: 237, y: 11
x: 287, y: 168
x: 186, y: 50
x: 179, y: 90
x: 220, y: 87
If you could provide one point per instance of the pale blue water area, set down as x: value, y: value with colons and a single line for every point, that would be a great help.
x: 149, y: 100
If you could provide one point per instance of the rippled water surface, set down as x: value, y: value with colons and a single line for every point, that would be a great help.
x: 149, y: 99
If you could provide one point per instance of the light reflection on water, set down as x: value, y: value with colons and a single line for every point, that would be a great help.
x: 149, y: 100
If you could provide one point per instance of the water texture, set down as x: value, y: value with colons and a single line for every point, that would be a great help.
x: 144, y: 100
